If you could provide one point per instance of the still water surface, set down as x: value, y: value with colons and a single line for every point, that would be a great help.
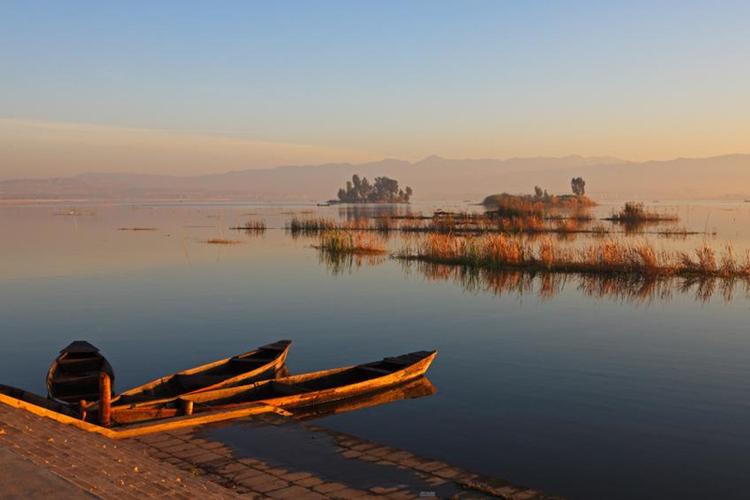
x: 577, y: 394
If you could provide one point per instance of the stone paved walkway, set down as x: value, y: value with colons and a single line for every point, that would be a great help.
x: 193, y: 463
x: 92, y: 463
x: 202, y: 451
x: 21, y: 478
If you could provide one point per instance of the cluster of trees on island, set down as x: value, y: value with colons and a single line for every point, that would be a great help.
x: 577, y: 185
x: 383, y: 190
x: 387, y: 190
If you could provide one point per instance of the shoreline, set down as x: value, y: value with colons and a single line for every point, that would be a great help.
x: 205, y: 461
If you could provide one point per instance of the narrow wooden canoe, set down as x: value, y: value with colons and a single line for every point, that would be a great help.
x: 36, y: 399
x: 74, y: 375
x: 295, y: 391
x: 251, y: 366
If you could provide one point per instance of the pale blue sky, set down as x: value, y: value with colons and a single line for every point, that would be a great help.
x: 392, y: 78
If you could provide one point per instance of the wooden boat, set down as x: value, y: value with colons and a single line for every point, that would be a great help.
x: 296, y: 391
x: 251, y: 366
x: 74, y: 375
x: 36, y: 399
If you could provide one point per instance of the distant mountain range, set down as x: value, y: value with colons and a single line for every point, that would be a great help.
x: 431, y: 178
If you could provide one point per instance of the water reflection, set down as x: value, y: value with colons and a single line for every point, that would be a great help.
x: 415, y: 389
x: 355, y: 212
x: 341, y: 263
x: 632, y: 288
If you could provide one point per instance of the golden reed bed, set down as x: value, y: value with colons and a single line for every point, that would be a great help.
x: 501, y: 252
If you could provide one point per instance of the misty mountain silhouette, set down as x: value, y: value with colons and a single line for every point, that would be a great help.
x: 432, y: 178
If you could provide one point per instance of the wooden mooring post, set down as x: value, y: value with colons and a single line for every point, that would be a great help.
x: 105, y: 397
x: 187, y: 407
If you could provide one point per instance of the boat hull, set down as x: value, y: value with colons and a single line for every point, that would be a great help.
x: 75, y: 374
x: 267, y: 392
x: 196, y: 380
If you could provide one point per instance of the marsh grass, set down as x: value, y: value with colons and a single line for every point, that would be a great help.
x: 251, y: 227
x: 349, y: 242
x: 449, y: 223
x: 676, y: 233
x: 500, y: 252
x: 222, y: 241
x: 636, y: 213
x: 310, y: 225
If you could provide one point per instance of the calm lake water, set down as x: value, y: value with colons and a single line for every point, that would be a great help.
x: 584, y: 392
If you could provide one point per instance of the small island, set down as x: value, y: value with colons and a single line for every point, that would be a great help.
x: 383, y: 190
x: 536, y: 204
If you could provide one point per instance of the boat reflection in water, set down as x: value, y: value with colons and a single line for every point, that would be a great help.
x: 415, y: 389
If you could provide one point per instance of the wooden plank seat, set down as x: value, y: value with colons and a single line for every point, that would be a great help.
x: 76, y: 378
x: 80, y: 364
x: 88, y: 396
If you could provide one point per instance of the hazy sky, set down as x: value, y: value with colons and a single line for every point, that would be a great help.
x: 211, y: 86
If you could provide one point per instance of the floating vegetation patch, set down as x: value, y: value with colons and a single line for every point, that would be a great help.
x: 677, y: 232
x: 349, y: 242
x: 342, y: 251
x: 222, y: 241
x: 310, y: 226
x: 539, y: 203
x: 251, y: 227
x: 451, y: 223
x: 500, y: 252
x: 636, y: 213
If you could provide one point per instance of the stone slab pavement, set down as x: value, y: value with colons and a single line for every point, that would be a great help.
x: 22, y: 479
x: 39, y: 449
x: 41, y: 458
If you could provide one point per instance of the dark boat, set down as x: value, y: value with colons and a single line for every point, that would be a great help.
x: 36, y: 399
x: 74, y: 375
x: 251, y: 366
x: 296, y: 391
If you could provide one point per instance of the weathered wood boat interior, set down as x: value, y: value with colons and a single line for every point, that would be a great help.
x: 75, y: 373
x: 208, y: 375
x: 312, y: 382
